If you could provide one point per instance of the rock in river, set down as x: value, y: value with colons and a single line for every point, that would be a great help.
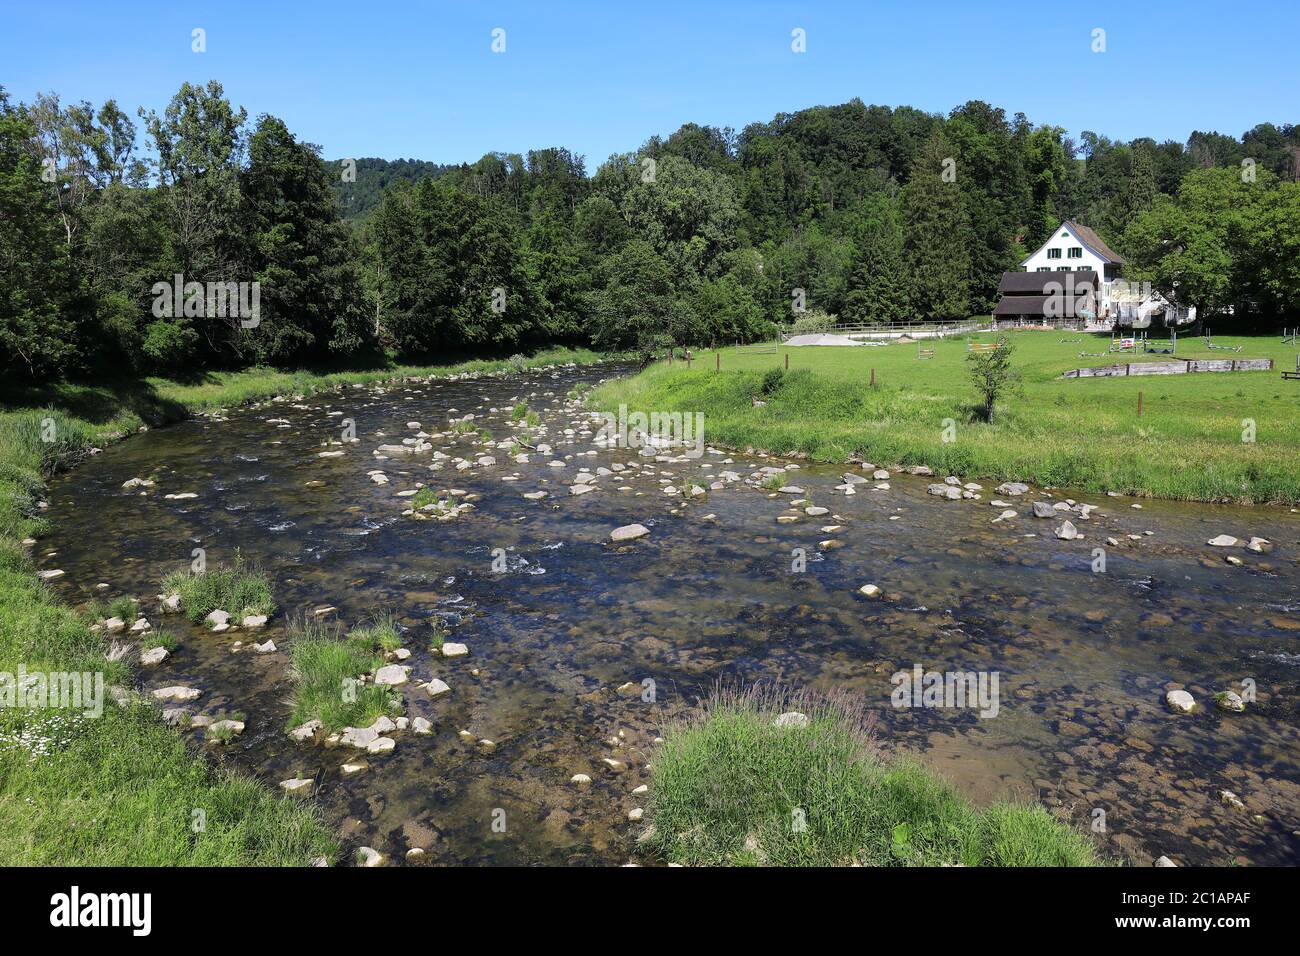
x: 629, y: 532
x: 1180, y: 702
x: 392, y: 675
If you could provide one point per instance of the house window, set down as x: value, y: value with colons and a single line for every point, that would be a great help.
x: 1053, y: 253
x: 1085, y: 268
x: 1062, y: 268
x: 1043, y: 269
x: 1076, y: 252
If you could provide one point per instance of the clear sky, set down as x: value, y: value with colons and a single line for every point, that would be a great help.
x: 420, y: 80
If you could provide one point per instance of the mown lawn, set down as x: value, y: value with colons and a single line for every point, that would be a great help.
x: 1069, y: 433
x: 122, y: 788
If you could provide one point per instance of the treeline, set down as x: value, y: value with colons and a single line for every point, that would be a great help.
x: 709, y: 236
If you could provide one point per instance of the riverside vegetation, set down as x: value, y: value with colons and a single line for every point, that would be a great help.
x: 1200, y: 437
x: 766, y: 777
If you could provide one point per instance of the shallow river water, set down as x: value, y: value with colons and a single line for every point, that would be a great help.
x: 1084, y: 658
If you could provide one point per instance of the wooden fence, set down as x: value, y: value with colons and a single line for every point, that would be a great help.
x: 1179, y: 367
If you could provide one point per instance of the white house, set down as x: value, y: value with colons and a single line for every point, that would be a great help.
x: 1078, y: 276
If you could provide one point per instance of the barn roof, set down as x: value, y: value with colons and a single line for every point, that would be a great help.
x: 1036, y: 283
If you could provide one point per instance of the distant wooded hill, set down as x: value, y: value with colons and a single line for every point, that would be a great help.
x: 373, y: 176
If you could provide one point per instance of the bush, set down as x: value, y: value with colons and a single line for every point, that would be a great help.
x: 168, y: 344
x: 772, y: 380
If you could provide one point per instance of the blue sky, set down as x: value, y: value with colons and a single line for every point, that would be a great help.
x: 420, y: 80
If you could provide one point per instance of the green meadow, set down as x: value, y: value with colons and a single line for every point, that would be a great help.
x: 1085, y: 434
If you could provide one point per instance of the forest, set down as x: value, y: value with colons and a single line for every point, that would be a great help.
x: 709, y: 236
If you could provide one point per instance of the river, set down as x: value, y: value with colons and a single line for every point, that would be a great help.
x: 1084, y: 657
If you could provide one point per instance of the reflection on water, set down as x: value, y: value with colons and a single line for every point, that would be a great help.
x: 1084, y: 658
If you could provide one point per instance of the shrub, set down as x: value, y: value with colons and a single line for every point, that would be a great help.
x: 772, y: 380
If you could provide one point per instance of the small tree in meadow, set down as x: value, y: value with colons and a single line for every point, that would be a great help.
x: 993, y: 375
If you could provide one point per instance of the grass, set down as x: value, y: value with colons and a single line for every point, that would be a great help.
x: 1082, y: 434
x: 123, y: 789
x: 382, y: 633
x: 236, y: 589
x: 439, y: 637
x: 423, y: 498
x: 120, y: 789
x: 731, y: 788
x: 324, y: 668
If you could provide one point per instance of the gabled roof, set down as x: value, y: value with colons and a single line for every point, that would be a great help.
x: 1047, y: 306
x: 1089, y: 238
x: 1036, y: 283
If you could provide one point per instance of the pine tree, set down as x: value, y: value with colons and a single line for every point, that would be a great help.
x: 878, y: 288
x: 935, y: 235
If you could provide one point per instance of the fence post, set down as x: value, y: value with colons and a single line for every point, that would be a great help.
x: 787, y: 361
x: 717, y: 356
x: 1139, y: 403
x: 873, y: 378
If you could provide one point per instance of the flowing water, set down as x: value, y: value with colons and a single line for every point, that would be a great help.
x: 1084, y: 659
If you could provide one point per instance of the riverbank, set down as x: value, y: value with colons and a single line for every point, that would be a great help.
x: 121, y: 788
x: 1204, y: 437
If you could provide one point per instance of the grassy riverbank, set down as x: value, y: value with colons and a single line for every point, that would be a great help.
x: 1081, y: 433
x: 734, y: 788
x: 121, y: 788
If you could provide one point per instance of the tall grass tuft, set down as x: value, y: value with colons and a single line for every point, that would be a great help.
x: 730, y: 787
x: 325, y: 668
x: 236, y: 588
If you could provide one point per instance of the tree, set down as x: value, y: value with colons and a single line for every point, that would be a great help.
x: 299, y: 251
x: 1047, y: 171
x: 1140, y: 190
x: 936, y: 235
x: 638, y: 307
x: 199, y: 140
x: 878, y: 289
x: 993, y: 375
x: 725, y: 313
x: 1194, y: 249
x: 39, y: 335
